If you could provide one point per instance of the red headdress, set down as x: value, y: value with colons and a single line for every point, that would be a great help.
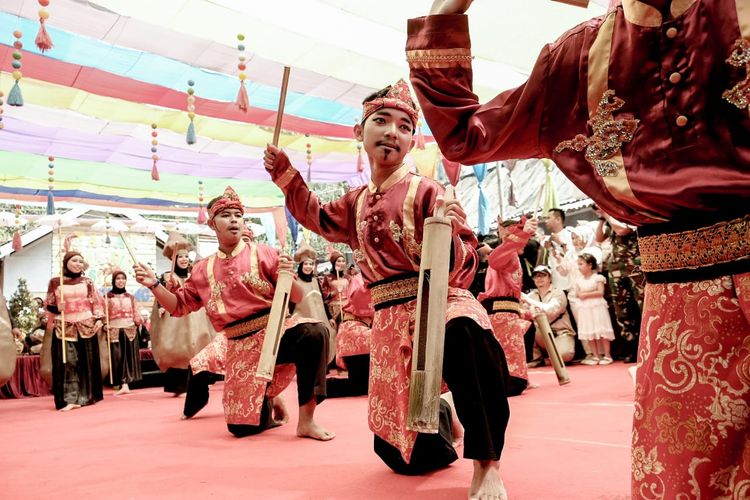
x: 398, y: 97
x: 228, y: 200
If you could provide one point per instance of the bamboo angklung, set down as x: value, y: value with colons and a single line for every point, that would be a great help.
x: 429, y: 330
x: 542, y: 323
x: 279, y: 306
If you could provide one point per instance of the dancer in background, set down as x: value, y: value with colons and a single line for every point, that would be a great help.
x: 78, y: 381
x: 124, y: 321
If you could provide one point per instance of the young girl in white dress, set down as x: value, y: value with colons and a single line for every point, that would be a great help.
x: 594, y: 324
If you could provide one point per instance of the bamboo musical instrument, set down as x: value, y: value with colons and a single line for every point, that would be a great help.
x: 275, y: 326
x: 542, y: 323
x: 429, y: 330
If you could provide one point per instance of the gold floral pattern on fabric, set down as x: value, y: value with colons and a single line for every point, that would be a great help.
x: 720, y: 243
x: 215, y: 299
x: 358, y: 255
x: 509, y: 330
x: 608, y: 135
x: 84, y: 328
x: 257, y: 283
x: 243, y: 392
x: 739, y: 95
x: 352, y: 339
x: 390, y: 364
x: 394, y: 290
x: 692, y: 414
x: 212, y: 357
x: 413, y: 249
x: 395, y: 231
x: 439, y: 58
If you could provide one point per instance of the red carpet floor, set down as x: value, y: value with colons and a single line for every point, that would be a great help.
x: 569, y: 442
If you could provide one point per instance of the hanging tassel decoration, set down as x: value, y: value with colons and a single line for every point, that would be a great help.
x: 202, y: 215
x: 43, y: 40
x: 308, y: 157
x: 360, y: 160
x: 51, y: 179
x: 15, y: 98
x: 420, y: 143
x: 154, y: 156
x: 17, y: 244
x: 243, y: 102
x: 190, y: 138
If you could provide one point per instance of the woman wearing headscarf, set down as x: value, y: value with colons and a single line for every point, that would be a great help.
x: 175, y: 340
x: 124, y: 321
x: 78, y: 381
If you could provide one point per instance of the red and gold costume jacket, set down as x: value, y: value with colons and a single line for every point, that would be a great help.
x: 123, y: 313
x: 83, y: 305
x: 384, y: 227
x: 354, y: 332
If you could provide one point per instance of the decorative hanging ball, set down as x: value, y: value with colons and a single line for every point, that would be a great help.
x: 15, y: 98
x: 154, y: 156
x: 51, y: 179
x: 202, y: 215
x: 43, y: 40
x: 242, y: 101
x: 190, y: 136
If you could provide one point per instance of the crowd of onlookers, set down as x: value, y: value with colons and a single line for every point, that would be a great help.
x: 586, y: 279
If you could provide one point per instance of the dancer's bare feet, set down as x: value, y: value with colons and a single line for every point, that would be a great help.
x: 69, y: 407
x: 280, y: 413
x: 123, y: 390
x: 486, y: 483
x: 307, y: 427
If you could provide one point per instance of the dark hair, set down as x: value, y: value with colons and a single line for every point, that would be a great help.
x: 589, y: 259
x: 211, y: 203
x: 380, y: 94
x: 558, y: 212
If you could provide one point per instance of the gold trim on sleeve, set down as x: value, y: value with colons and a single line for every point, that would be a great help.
x: 439, y: 58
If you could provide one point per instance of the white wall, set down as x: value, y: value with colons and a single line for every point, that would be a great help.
x: 31, y: 263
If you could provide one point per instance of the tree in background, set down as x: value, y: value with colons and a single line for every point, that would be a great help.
x: 22, y: 308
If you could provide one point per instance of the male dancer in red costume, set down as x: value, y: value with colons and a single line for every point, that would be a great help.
x: 646, y: 110
x: 383, y: 222
x: 236, y: 286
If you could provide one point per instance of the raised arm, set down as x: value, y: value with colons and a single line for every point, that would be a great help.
x: 334, y: 221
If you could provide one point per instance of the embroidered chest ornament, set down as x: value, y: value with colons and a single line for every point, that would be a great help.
x: 739, y: 95
x: 608, y: 136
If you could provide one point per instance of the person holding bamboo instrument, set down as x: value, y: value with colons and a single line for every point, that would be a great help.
x: 76, y: 382
x: 383, y: 223
x: 645, y: 109
x: 501, y: 299
x: 236, y: 286
x: 124, y: 320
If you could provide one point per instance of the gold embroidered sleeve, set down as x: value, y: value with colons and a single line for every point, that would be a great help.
x: 439, y: 58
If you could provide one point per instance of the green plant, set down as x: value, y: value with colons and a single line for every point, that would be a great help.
x: 22, y: 308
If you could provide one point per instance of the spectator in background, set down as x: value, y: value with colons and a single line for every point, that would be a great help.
x: 558, y: 247
x: 594, y: 325
x: 552, y: 302
x: 626, y: 281
x: 35, y: 338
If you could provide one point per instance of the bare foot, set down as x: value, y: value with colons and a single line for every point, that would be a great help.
x: 486, y: 483
x: 314, y: 431
x: 280, y: 413
x: 123, y: 390
x: 69, y: 407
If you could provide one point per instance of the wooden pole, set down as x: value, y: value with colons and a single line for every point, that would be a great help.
x: 109, y: 340
x: 282, y: 101
x: 537, y: 205
x: 130, y: 250
x: 62, y: 296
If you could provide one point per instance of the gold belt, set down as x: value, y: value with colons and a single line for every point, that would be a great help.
x: 506, y: 306
x: 246, y: 327
x: 720, y: 243
x: 397, y: 290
